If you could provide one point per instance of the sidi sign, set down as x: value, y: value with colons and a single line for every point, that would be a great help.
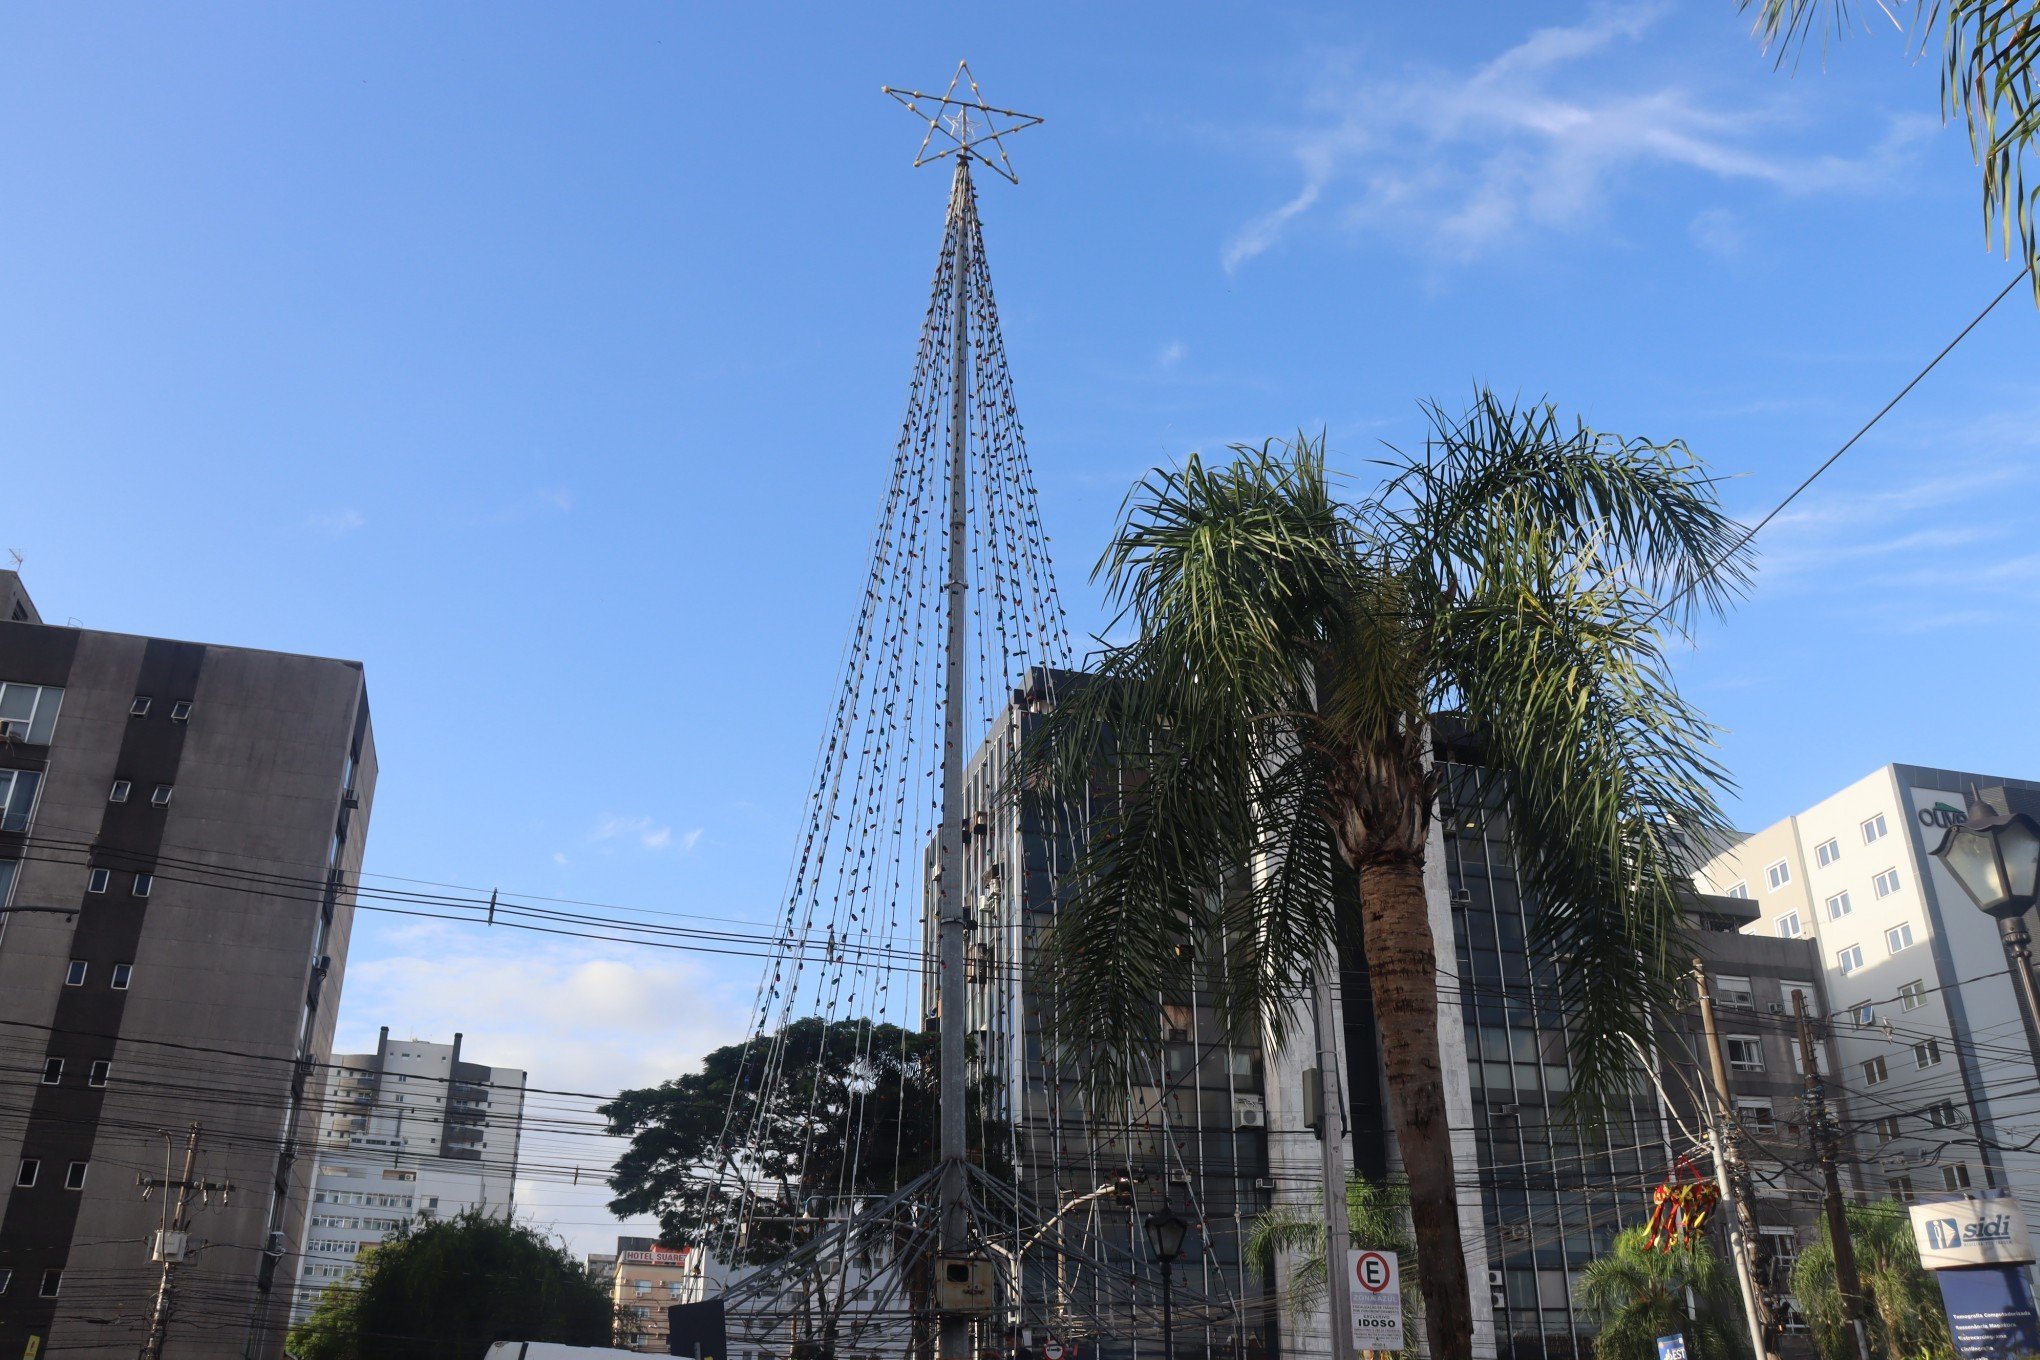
x: 1986, y: 1231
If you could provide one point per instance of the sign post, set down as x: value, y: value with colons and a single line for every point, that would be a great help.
x: 1376, y: 1294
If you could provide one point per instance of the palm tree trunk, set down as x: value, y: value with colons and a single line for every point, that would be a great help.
x: 1395, y: 919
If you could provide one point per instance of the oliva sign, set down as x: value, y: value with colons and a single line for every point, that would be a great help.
x: 1971, y: 1232
x: 1942, y: 815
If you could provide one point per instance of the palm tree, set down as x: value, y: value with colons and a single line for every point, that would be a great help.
x: 1377, y: 1216
x: 1989, y: 52
x: 1272, y: 712
x: 1905, y: 1313
x: 1635, y: 1295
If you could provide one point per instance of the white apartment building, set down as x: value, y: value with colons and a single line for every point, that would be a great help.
x: 408, y: 1131
x: 1932, y: 1048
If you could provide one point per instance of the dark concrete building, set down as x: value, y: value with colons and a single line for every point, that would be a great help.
x: 199, y: 812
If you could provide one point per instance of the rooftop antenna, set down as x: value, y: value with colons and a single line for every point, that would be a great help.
x: 15, y: 553
x: 959, y: 128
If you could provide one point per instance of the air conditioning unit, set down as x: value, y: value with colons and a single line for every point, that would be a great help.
x: 1249, y: 1112
x: 1499, y: 1299
x: 1462, y: 897
x: 1494, y: 1279
x: 1777, y: 1008
x: 1266, y: 1183
x: 1178, y: 1035
x: 1502, y: 1111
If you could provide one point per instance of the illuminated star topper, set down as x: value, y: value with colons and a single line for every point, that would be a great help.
x: 963, y: 125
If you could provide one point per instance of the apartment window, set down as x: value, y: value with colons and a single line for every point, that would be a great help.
x: 143, y: 884
x: 643, y: 1287
x: 1943, y: 1115
x: 98, y: 1075
x: 1788, y: 925
x: 120, y: 791
x: 52, y: 1071
x: 1745, y: 1052
x: 1827, y: 852
x: 1955, y: 1176
x: 1886, y: 883
x: 180, y: 711
x: 6, y: 1278
x: 1912, y: 996
x: 1875, y: 1073
x: 1778, y: 875
x: 161, y: 797
x: 1901, y: 1188
x: 1887, y: 1127
x: 52, y: 1281
x: 1899, y: 937
x: 1850, y: 959
x: 140, y: 707
x: 74, y: 1176
x: 29, y: 712
x: 1797, y: 1054
x: 74, y: 976
x: 17, y: 798
x: 1740, y: 890
x: 1927, y: 1053
x: 1756, y: 1115
x: 1805, y: 989
x: 31, y: 1168
x: 1873, y: 830
x: 1735, y: 993
x: 1863, y: 1013
x: 96, y: 880
x: 123, y: 974
x: 1838, y: 906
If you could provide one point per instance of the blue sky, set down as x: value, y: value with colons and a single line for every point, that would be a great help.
x: 547, y: 359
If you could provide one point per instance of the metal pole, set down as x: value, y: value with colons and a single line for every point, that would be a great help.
x: 1721, y: 1111
x: 1168, y: 1323
x: 1822, y: 1133
x: 2019, y: 945
x: 166, y: 1289
x: 953, y: 1338
x: 1332, y: 1164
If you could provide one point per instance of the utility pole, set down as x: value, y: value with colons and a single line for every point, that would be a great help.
x: 1332, y: 1162
x: 1820, y: 1129
x: 1728, y: 1173
x: 953, y: 1340
x: 172, y: 1243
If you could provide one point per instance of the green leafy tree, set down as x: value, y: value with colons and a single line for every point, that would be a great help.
x: 448, y: 1289
x: 1272, y: 711
x: 1377, y: 1216
x: 1906, y: 1319
x: 1634, y: 1296
x: 1989, y: 51
x: 843, y: 1107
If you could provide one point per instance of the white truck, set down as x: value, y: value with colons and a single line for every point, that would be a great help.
x: 553, y: 1350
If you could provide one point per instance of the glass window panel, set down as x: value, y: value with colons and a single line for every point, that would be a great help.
x: 17, y: 702
x: 45, y: 725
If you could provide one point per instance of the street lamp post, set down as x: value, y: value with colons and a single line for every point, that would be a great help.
x: 1165, y: 1232
x: 1995, y: 856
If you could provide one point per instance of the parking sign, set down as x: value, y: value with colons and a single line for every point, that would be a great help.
x: 1376, y: 1291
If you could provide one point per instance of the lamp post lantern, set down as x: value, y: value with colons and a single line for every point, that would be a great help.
x: 1995, y: 856
x: 1165, y: 1233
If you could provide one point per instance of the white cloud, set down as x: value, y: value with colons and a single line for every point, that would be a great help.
x: 1463, y: 160
x: 1718, y: 232
x: 575, y: 1016
x: 336, y: 523
x: 1171, y: 355
x: 613, y: 830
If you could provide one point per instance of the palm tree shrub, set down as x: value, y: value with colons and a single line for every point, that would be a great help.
x: 1634, y: 1296
x: 1905, y: 1315
x: 1272, y: 710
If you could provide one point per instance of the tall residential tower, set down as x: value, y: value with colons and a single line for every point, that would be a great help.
x: 182, y: 826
